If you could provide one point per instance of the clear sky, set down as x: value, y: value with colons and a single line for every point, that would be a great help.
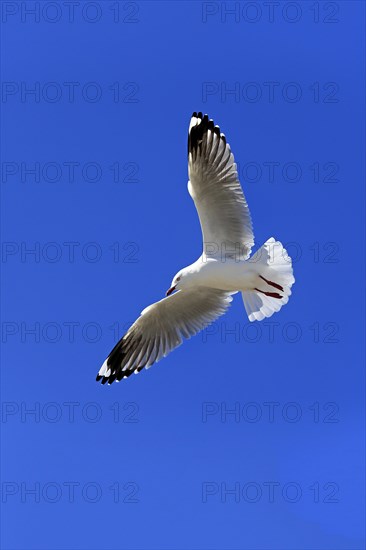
x: 249, y: 436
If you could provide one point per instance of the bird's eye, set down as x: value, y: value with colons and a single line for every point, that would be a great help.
x: 178, y: 279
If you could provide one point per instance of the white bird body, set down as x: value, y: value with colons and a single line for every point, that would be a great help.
x: 202, y: 291
x: 231, y: 275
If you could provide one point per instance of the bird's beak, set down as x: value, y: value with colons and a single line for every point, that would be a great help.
x: 168, y: 292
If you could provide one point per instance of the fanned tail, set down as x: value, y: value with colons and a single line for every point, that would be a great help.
x: 274, y: 282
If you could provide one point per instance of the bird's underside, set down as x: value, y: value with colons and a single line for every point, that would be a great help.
x: 204, y: 290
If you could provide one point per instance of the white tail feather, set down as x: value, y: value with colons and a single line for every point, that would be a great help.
x: 275, y: 276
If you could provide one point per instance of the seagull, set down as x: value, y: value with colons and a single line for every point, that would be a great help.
x: 203, y: 291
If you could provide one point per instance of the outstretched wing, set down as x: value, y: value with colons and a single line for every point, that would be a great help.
x: 215, y: 188
x: 161, y: 328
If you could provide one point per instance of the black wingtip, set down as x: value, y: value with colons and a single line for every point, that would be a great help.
x: 125, y: 374
x: 127, y: 346
x: 112, y: 378
x: 211, y: 124
x: 198, y: 131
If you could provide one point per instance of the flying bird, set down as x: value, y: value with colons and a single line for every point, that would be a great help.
x: 201, y: 292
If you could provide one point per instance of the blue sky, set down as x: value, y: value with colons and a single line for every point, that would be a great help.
x: 249, y: 436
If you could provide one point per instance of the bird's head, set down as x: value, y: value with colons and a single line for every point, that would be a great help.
x: 180, y: 280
